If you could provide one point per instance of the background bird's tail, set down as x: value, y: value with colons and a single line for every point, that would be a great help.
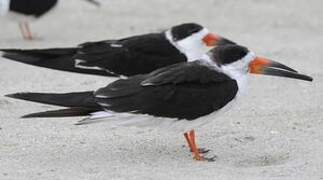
x: 55, y: 58
x: 78, y: 104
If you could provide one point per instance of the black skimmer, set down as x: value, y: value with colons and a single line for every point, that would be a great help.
x: 181, y: 93
x: 128, y: 56
x: 25, y: 10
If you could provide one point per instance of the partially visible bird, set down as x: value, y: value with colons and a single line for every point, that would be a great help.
x: 182, y: 93
x: 133, y: 55
x: 25, y: 10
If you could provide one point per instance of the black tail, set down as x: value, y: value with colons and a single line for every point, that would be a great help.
x: 79, y: 104
x: 56, y: 58
x: 69, y: 112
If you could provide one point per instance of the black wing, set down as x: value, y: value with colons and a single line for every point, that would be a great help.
x: 53, y: 58
x: 183, y: 91
x: 130, y: 56
x: 32, y: 7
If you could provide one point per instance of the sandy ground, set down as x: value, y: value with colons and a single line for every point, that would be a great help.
x: 274, y: 132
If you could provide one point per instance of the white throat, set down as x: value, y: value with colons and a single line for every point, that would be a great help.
x: 4, y: 7
x: 239, y: 70
x: 192, y: 47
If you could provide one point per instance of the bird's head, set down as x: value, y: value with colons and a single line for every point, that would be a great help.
x: 193, y: 39
x: 236, y: 60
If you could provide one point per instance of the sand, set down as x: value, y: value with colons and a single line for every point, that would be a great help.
x: 274, y: 131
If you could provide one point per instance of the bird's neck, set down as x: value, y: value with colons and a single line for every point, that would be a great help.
x: 193, y: 49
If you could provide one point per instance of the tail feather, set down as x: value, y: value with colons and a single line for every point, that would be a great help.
x: 55, y: 58
x: 69, y: 112
x: 37, y: 55
x: 79, y: 99
x: 79, y: 104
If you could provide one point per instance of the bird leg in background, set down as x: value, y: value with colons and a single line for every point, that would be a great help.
x: 29, y: 35
x: 25, y: 31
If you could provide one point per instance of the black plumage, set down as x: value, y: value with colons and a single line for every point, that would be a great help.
x: 79, y: 99
x: 181, y: 32
x: 182, y: 91
x: 57, y: 58
x: 34, y: 8
x: 130, y: 56
x: 229, y: 53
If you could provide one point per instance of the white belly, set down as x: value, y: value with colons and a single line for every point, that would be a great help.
x: 147, y: 121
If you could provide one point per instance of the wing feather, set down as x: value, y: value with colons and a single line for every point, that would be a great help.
x: 183, y: 91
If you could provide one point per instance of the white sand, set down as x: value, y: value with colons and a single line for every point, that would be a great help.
x: 275, y: 132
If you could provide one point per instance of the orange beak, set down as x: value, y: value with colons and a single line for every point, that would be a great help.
x: 269, y: 67
x: 211, y: 39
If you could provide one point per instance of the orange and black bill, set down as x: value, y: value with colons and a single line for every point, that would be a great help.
x: 211, y: 39
x: 269, y: 67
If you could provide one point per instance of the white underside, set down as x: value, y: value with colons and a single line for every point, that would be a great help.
x: 147, y: 121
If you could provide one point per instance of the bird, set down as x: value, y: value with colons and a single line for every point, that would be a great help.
x: 179, y: 95
x: 24, y: 11
x: 128, y: 56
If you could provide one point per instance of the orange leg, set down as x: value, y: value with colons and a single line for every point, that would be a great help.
x: 201, y: 150
x: 190, y: 138
x: 195, y: 150
x: 186, y: 135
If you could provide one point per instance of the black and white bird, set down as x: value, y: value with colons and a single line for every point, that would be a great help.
x: 182, y: 94
x: 128, y: 56
x: 23, y: 11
